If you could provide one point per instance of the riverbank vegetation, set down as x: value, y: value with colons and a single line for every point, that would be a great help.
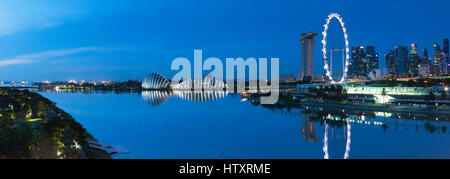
x: 32, y: 127
x: 334, y: 93
x: 127, y: 86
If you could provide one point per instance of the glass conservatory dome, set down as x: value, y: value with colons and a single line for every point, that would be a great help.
x: 155, y: 81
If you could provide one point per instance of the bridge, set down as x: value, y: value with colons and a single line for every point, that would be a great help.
x: 369, y: 90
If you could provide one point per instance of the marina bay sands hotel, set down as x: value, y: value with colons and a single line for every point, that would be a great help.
x: 307, y: 58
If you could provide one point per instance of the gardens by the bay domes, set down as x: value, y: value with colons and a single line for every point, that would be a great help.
x: 155, y: 81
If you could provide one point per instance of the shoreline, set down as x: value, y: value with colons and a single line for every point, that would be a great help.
x: 47, y: 127
x: 371, y: 108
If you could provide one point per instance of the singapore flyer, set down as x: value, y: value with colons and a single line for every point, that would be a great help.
x: 328, y: 72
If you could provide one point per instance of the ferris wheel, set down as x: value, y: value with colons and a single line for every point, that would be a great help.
x: 327, y: 67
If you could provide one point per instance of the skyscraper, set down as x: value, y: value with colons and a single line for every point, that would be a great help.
x: 445, y: 46
x: 364, y: 61
x: 446, y: 57
x: 372, y: 59
x: 307, y: 45
x: 413, y: 61
x: 424, y: 70
x: 390, y: 63
x: 437, y: 60
x: 401, y: 61
x: 359, y: 62
x: 350, y: 69
x: 424, y: 67
x: 425, y: 57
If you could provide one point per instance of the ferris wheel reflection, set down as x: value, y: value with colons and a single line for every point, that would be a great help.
x: 347, y: 146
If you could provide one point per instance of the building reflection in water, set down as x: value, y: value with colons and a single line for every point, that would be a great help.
x: 200, y: 96
x: 308, y: 129
x: 155, y: 98
x: 158, y: 97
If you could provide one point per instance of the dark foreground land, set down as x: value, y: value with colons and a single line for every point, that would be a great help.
x: 32, y: 127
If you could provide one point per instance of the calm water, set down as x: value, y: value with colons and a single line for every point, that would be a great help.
x: 162, y: 126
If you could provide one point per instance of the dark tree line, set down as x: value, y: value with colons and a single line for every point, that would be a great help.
x: 328, y: 93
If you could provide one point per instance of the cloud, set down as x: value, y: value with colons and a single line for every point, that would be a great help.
x: 59, y: 53
x: 14, y: 62
x: 96, y: 68
x: 17, y: 16
x: 48, y: 55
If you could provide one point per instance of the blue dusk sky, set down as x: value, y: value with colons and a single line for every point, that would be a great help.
x: 120, y: 40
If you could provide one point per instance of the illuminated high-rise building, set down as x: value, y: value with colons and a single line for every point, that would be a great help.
x: 401, y: 61
x: 413, y: 61
x: 445, y: 55
x: 372, y: 58
x: 445, y: 47
x: 359, y: 62
x: 307, y: 65
x: 390, y: 63
x: 364, y: 61
x: 424, y: 70
x: 425, y: 57
x: 437, y: 60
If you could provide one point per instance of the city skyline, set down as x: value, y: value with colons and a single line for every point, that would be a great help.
x: 228, y: 80
x: 88, y: 41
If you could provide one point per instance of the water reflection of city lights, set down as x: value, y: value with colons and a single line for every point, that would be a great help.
x: 347, y: 146
x: 354, y: 119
